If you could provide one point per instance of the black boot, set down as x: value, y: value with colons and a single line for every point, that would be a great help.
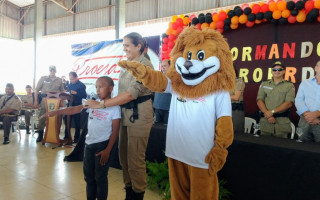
x: 129, y: 192
x: 6, y: 140
x: 137, y: 196
x: 40, y: 136
x: 27, y: 130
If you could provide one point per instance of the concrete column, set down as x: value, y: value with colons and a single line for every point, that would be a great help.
x: 38, y: 28
x: 120, y: 18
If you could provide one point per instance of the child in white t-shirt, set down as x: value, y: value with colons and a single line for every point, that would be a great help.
x: 103, y: 130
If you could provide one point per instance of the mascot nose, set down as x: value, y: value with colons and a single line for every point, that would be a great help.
x: 187, y: 64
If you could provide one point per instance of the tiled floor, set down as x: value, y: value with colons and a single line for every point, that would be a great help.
x: 31, y: 171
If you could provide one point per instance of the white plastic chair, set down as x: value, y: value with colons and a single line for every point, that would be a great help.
x: 248, y: 123
x: 293, y: 130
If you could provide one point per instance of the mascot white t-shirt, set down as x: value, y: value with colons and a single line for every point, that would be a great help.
x: 190, y: 134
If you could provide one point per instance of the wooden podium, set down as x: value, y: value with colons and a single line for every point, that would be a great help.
x: 53, y: 101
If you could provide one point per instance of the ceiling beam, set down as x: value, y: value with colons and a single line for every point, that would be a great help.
x: 73, y: 5
x: 24, y: 14
x: 62, y: 6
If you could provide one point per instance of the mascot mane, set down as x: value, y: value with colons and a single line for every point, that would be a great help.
x: 223, y: 79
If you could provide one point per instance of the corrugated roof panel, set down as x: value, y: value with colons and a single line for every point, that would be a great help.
x: 86, y: 5
x: 28, y: 31
x: 54, y: 10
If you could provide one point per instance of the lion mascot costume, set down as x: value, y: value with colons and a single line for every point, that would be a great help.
x: 200, y: 125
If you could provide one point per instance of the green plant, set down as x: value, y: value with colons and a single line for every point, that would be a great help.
x: 158, y: 179
x: 224, y: 194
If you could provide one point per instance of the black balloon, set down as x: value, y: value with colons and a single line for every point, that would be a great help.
x: 208, y: 19
x: 291, y: 5
x: 202, y: 19
x: 259, y: 15
x: 208, y: 14
x: 300, y: 5
x: 238, y: 11
x: 268, y: 15
x: 227, y: 21
x: 283, y: 20
x: 251, y: 17
x: 195, y: 21
x: 312, y: 15
x: 294, y: 12
x: 226, y: 27
x: 247, y: 11
x: 186, y: 16
x: 231, y: 13
x: 275, y: 21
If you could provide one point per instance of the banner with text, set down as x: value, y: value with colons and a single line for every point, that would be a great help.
x: 92, y: 60
x: 255, y: 49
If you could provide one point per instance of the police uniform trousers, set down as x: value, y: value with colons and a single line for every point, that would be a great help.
x: 238, y: 121
x: 42, y: 122
x: 133, y: 141
x: 204, y: 186
x: 6, y: 121
x: 281, y: 128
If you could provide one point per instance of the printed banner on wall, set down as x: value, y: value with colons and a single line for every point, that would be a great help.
x: 92, y: 60
x: 255, y: 49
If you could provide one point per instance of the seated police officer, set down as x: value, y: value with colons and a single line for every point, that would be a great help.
x: 10, y: 107
x: 275, y: 98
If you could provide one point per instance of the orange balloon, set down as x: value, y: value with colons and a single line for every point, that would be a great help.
x: 234, y: 26
x: 174, y: 32
x: 213, y: 25
x: 285, y: 13
x: 276, y: 14
x: 168, y: 32
x: 204, y: 25
x: 301, y: 17
x: 235, y: 20
x: 186, y: 21
x: 272, y: 6
x: 215, y: 17
x: 257, y: 21
x: 243, y: 19
x: 282, y: 5
x: 317, y: 4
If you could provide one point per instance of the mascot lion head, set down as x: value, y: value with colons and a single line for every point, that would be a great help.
x: 201, y: 63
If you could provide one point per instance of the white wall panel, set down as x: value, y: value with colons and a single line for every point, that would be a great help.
x: 92, y: 19
x: 87, y: 5
x: 10, y: 11
x: 60, y: 25
x: 29, y: 17
x: 28, y: 31
x: 140, y: 10
x: 9, y: 28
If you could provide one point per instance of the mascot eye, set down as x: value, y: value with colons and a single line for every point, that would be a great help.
x: 200, y: 55
x: 189, y: 55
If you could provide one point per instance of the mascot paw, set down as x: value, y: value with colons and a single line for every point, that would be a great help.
x: 137, y: 69
x: 216, y: 159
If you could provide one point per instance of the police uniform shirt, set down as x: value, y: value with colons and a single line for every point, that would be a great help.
x: 27, y: 99
x: 13, y: 103
x: 47, y: 84
x: 273, y: 95
x: 128, y: 83
x: 240, y: 85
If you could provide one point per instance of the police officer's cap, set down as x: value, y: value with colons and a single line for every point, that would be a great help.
x: 52, y: 68
x: 278, y: 63
x: 9, y: 85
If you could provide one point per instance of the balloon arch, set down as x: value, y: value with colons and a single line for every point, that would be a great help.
x: 279, y: 12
